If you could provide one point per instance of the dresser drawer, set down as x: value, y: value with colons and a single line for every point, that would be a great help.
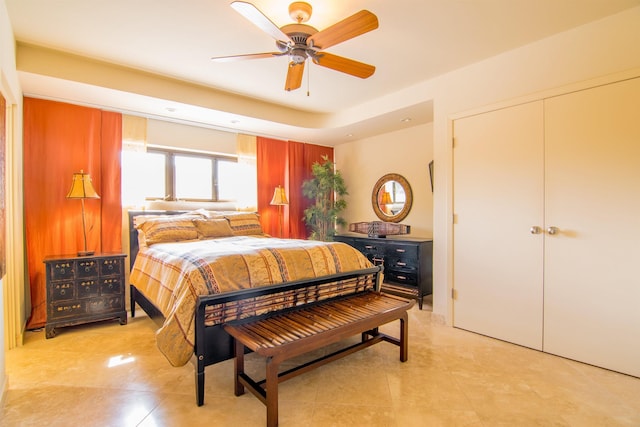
x: 405, y: 251
x: 395, y: 262
x: 402, y: 277
x: 369, y: 248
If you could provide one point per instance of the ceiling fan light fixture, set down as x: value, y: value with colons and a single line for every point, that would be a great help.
x: 300, y: 11
x: 298, y: 55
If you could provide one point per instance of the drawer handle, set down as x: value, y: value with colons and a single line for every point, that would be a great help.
x: 400, y: 250
x: 401, y: 264
x: 110, y: 266
x: 401, y: 277
x: 368, y: 247
x: 87, y: 269
x: 62, y: 292
x: 62, y: 271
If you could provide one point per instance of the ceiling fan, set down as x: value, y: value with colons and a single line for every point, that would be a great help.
x: 300, y: 41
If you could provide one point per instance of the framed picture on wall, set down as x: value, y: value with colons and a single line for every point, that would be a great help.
x: 431, y: 174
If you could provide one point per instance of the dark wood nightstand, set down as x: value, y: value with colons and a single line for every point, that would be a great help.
x: 83, y: 289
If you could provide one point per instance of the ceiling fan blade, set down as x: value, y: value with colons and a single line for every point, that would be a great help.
x: 294, y: 76
x: 233, y: 58
x: 355, y: 25
x: 259, y: 19
x: 345, y: 65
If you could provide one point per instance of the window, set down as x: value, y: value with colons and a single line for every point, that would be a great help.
x: 176, y: 175
x: 194, y: 177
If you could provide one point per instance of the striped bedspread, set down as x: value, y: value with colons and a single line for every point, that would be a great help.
x: 173, y: 275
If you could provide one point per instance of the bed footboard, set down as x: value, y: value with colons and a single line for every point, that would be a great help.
x: 213, y: 344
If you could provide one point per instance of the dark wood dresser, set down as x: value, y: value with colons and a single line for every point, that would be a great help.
x: 408, y: 262
x: 82, y: 289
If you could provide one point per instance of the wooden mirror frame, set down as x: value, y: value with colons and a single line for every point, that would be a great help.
x: 408, y: 198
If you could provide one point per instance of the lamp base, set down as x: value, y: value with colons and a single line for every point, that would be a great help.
x: 86, y: 253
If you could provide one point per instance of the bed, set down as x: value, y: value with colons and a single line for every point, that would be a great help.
x: 179, y: 259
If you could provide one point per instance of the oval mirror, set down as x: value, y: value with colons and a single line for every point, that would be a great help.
x: 392, y: 198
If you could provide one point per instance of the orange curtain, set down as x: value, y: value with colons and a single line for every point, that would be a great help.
x: 271, y: 161
x: 301, y: 157
x: 60, y: 139
x: 111, y: 184
x: 286, y: 163
x: 296, y: 173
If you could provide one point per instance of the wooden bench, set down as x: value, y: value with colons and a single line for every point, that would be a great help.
x: 282, y: 326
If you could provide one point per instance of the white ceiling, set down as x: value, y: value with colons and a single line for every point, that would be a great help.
x: 416, y: 41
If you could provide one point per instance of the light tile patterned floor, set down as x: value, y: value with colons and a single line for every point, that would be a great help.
x: 110, y: 375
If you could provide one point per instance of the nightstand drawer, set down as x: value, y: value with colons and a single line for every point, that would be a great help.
x: 61, y: 291
x: 87, y: 268
x: 111, y: 266
x: 61, y: 270
x: 104, y: 304
x: 67, y: 309
x: 110, y: 286
x: 88, y: 288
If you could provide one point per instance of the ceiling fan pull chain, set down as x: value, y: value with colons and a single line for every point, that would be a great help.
x: 309, y: 78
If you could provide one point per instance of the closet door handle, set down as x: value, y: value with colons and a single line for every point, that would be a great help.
x: 552, y: 230
x: 535, y: 230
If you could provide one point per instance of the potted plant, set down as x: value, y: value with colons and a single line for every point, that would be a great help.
x: 326, y: 188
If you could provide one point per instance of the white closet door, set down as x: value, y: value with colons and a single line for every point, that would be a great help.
x: 592, y: 265
x: 498, y: 198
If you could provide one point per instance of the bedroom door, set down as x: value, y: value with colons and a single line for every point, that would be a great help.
x: 592, y: 282
x: 498, y: 221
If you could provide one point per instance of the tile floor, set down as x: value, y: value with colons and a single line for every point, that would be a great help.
x: 110, y: 375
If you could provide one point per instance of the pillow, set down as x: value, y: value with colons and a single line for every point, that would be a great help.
x: 137, y: 223
x: 208, y: 228
x: 245, y: 224
x: 172, y: 228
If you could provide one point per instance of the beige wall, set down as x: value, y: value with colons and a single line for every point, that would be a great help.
x: 605, y: 49
x: 176, y: 135
x: 600, y: 51
x: 406, y: 152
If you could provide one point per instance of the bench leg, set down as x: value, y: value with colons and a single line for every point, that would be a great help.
x: 238, y: 363
x: 272, y: 392
x: 370, y: 333
x: 404, y: 337
x: 200, y: 382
